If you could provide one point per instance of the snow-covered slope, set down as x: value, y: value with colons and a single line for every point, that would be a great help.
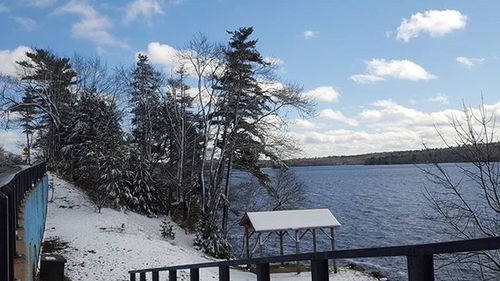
x: 105, y: 246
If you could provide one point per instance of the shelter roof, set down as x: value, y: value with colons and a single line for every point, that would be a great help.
x: 289, y: 220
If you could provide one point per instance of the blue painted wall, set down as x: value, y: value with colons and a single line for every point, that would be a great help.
x: 35, y: 213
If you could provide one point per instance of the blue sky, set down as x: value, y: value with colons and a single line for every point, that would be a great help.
x: 383, y: 73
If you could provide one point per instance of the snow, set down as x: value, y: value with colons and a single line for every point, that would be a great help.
x: 105, y: 246
x: 292, y: 219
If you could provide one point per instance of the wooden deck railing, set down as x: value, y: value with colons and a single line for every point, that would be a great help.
x: 420, y: 261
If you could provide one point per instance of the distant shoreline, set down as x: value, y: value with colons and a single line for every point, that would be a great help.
x: 425, y: 156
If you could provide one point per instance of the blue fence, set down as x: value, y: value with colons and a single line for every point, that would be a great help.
x: 23, y: 209
x: 35, y: 214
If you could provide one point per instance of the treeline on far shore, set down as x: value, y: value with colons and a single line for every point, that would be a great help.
x: 424, y: 156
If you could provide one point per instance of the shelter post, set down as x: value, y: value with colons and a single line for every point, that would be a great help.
x: 297, y: 250
x: 332, y: 234
x: 284, y: 223
x: 247, y: 242
x: 282, y: 251
x: 260, y: 245
x: 314, y: 240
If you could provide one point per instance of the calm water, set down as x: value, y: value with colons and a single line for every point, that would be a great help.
x: 376, y: 205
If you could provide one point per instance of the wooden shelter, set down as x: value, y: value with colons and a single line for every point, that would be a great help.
x: 294, y: 224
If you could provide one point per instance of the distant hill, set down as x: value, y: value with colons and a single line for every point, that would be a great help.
x: 440, y: 155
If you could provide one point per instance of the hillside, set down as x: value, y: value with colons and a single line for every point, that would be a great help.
x: 105, y: 246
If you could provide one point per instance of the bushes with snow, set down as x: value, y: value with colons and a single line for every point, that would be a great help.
x: 211, y: 240
x: 167, y: 230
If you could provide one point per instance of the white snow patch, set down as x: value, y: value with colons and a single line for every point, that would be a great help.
x: 106, y: 246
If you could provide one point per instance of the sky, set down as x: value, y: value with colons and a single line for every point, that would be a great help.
x: 385, y: 75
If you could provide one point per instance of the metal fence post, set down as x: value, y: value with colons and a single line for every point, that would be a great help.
x: 132, y: 276
x: 319, y: 270
x: 12, y: 223
x: 172, y: 275
x: 420, y: 268
x: 4, y: 238
x: 194, y: 274
x: 156, y: 276
x: 142, y: 276
x: 223, y: 273
x: 263, y: 273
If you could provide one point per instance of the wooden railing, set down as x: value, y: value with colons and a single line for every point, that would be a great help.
x: 12, y: 192
x: 420, y: 260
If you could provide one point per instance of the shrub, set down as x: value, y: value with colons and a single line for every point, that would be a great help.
x: 167, y: 230
x: 212, y: 241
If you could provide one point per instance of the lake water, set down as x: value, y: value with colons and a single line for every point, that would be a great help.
x: 376, y: 205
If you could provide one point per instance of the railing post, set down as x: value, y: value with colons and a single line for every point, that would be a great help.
x: 319, y: 270
x: 420, y: 268
x: 12, y: 223
x: 263, y: 273
x: 132, y: 276
x: 194, y: 274
x: 142, y: 276
x: 223, y: 273
x: 172, y: 274
x: 4, y: 237
x: 156, y: 276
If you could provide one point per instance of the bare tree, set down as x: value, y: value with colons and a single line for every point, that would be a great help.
x: 468, y: 204
x: 287, y: 192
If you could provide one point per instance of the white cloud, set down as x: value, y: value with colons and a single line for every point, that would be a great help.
x: 380, y: 69
x: 323, y: 94
x: 371, y: 115
x: 26, y: 23
x: 143, y: 8
x: 469, y: 62
x: 302, y: 123
x: 11, y: 140
x: 92, y: 25
x: 334, y: 115
x: 309, y: 34
x: 383, y: 126
x: 392, y: 114
x: 163, y: 54
x: 351, y: 142
x: 8, y: 60
x: 366, y: 78
x: 434, y: 22
x: 440, y: 98
x: 171, y: 59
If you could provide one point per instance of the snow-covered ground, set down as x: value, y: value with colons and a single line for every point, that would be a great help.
x: 105, y: 246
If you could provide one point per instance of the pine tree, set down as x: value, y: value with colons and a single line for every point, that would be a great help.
x: 112, y: 177
x: 145, y: 196
x: 46, y: 81
x: 28, y: 120
x: 243, y: 102
x: 95, y: 145
x: 144, y: 92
